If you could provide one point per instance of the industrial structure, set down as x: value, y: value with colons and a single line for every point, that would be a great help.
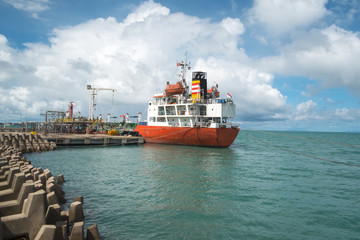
x: 67, y: 122
x: 92, y: 98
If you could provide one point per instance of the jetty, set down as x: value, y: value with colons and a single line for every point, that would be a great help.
x: 92, y: 139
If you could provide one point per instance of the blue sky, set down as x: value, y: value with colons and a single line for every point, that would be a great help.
x: 289, y: 65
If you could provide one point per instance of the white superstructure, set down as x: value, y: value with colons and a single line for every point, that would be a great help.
x: 169, y: 111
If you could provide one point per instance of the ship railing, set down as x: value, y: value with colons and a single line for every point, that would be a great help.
x: 211, y: 101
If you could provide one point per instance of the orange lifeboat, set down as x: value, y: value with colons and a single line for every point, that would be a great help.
x: 174, y: 89
x: 209, y: 91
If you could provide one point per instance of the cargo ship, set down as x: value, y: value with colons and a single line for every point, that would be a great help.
x: 196, y: 118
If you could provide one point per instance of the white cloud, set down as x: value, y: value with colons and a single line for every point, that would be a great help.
x: 346, y: 114
x: 233, y: 26
x: 256, y: 99
x: 282, y: 16
x: 145, y: 10
x: 136, y: 56
x: 306, y: 110
x: 327, y: 55
x: 32, y: 6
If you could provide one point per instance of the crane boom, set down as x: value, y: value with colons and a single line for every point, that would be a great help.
x: 92, y: 98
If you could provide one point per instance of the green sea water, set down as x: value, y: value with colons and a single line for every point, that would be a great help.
x: 267, y: 185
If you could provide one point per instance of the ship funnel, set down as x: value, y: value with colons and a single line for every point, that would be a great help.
x: 199, y: 86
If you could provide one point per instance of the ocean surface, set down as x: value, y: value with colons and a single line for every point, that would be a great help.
x: 267, y: 185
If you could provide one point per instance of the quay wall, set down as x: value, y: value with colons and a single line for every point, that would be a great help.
x: 31, y: 198
x: 92, y: 139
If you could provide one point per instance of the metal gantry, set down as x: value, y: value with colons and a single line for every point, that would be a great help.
x: 92, y: 98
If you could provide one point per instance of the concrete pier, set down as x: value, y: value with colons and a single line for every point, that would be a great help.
x: 92, y: 140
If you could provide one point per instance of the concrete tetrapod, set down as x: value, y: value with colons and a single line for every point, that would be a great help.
x: 12, y: 193
x: 23, y: 200
x: 61, y: 230
x: 77, y: 232
x: 46, y: 232
x: 53, y: 214
x: 76, y: 213
x: 51, y: 198
x: 60, y: 179
x: 15, y: 206
x: 29, y: 221
x: 92, y: 233
x: 4, y: 172
x: 8, y: 182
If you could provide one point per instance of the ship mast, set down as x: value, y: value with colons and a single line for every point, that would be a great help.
x: 183, y: 66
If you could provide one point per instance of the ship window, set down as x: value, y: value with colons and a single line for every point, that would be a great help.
x: 161, y: 119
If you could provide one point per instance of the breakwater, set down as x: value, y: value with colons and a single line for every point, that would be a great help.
x: 31, y: 198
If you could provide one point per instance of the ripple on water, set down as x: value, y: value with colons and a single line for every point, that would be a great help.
x: 251, y: 190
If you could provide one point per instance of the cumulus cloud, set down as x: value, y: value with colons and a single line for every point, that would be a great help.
x: 308, y: 116
x: 282, y: 16
x: 136, y: 56
x: 329, y: 56
x: 233, y: 26
x: 5, y: 51
x: 32, y: 6
x: 145, y: 10
x: 306, y: 110
x: 256, y: 99
x: 347, y: 114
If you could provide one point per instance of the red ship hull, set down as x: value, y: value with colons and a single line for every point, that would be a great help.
x: 195, y: 136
